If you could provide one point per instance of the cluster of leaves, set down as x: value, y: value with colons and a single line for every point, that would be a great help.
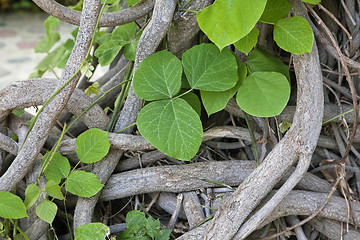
x: 141, y: 228
x: 91, y: 146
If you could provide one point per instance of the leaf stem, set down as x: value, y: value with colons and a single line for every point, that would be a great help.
x: 252, y: 140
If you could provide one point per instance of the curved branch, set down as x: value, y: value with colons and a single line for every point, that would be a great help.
x: 47, y: 118
x: 107, y: 19
x: 302, y: 137
x: 148, y: 42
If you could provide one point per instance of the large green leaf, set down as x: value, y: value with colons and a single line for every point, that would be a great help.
x: 11, y: 206
x: 32, y: 193
x: 54, y: 190
x: 58, y: 167
x: 208, y: 69
x: 83, y: 184
x: 248, y: 42
x: 93, y: 231
x: 46, y: 211
x: 294, y: 35
x: 172, y: 126
x: 264, y: 94
x: 158, y: 76
x: 275, y: 10
x: 216, y: 101
x: 227, y: 21
x: 92, y: 145
x: 262, y: 61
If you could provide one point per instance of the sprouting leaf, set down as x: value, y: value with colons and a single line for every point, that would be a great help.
x: 158, y: 76
x: 284, y: 126
x: 262, y: 61
x: 11, y: 206
x: 57, y: 168
x: 275, y: 10
x: 32, y: 193
x: 171, y: 126
x: 92, y: 145
x: 83, y: 184
x: 216, y: 101
x: 294, y: 35
x: 264, y: 94
x: 93, y: 231
x: 54, y: 190
x: 208, y: 69
x: 46, y: 211
x: 94, y: 88
x: 227, y: 21
x: 247, y: 43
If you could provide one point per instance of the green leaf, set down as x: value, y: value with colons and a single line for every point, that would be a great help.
x: 284, y: 126
x: 208, y: 69
x: 158, y: 76
x: 130, y: 48
x: 173, y: 127
x: 294, y: 35
x: 58, y: 167
x: 312, y: 1
x: 18, y: 112
x: 124, y: 33
x: 54, y: 190
x: 275, y: 10
x: 51, y: 24
x: 32, y: 193
x: 262, y: 61
x: 92, y: 231
x: 107, y: 52
x: 92, y: 145
x: 163, y: 234
x: 264, y: 94
x: 227, y: 21
x: 216, y: 101
x: 83, y: 184
x: 46, y: 211
x: 248, y: 42
x: 51, y: 60
x: 193, y: 100
x: 132, y: 2
x: 11, y: 206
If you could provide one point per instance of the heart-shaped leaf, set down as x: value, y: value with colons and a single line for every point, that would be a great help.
x: 275, y: 10
x: 11, y: 206
x: 83, y: 184
x: 158, y: 76
x: 248, y: 42
x: 227, y: 21
x: 32, y: 193
x: 58, y: 167
x: 46, y: 211
x: 208, y: 69
x: 264, y: 94
x: 96, y: 231
x: 294, y: 35
x: 172, y: 126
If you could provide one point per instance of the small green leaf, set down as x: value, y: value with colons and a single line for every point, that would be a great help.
x: 262, y: 61
x: 275, y: 10
x: 132, y: 2
x: 216, y: 101
x: 54, y: 190
x: 130, y: 48
x: 92, y: 145
x: 51, y: 24
x: 158, y: 76
x: 46, y: 43
x: 248, y: 42
x: 58, y: 167
x: 193, y: 100
x: 93, y: 231
x: 107, y: 52
x: 208, y: 69
x: 18, y: 112
x: 124, y: 33
x: 46, y: 211
x: 312, y: 1
x: 294, y: 35
x: 173, y: 127
x: 11, y: 206
x: 264, y: 94
x: 32, y: 193
x: 83, y: 184
x: 227, y: 21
